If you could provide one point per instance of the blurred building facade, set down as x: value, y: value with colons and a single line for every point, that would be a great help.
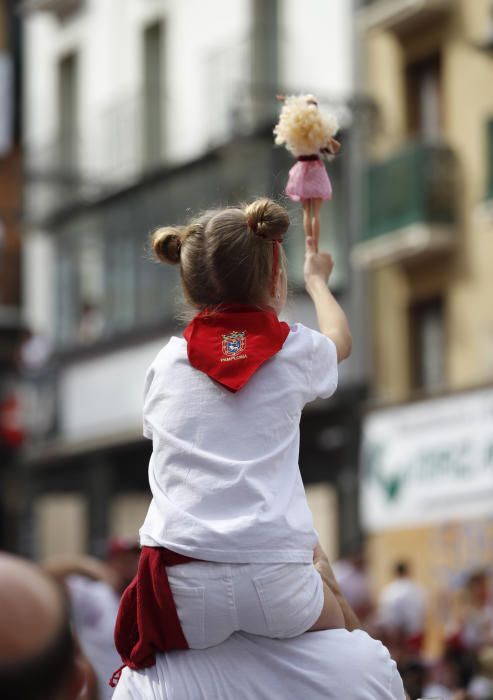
x: 137, y: 113
x: 11, y: 430
x: 427, y: 478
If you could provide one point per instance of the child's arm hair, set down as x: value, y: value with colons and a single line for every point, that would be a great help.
x: 332, y: 320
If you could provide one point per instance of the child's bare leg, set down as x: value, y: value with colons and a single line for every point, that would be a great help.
x: 307, y: 217
x: 316, y: 204
x: 331, y: 616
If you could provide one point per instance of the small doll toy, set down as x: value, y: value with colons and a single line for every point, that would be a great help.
x: 308, y: 134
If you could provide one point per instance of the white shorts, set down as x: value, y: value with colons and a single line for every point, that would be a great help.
x: 272, y: 600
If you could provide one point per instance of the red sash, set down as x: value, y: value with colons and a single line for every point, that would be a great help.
x: 230, y: 344
x: 147, y: 621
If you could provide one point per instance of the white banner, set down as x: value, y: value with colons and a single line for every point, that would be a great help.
x: 426, y: 462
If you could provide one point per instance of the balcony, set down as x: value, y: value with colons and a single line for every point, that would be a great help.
x: 125, y: 142
x: 410, y: 209
x: 401, y: 16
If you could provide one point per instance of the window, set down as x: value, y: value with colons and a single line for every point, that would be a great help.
x: 264, y: 59
x: 81, y: 282
x: 424, y: 97
x: 489, y: 156
x: 153, y: 108
x: 427, y: 344
x: 106, y: 282
x: 7, y: 77
x: 68, y: 111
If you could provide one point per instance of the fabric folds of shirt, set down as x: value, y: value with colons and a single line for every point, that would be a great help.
x: 224, y: 472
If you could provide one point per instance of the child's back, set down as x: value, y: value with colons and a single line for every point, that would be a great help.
x: 222, y: 407
x: 224, y: 470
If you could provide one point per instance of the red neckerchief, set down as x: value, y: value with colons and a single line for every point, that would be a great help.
x: 230, y: 344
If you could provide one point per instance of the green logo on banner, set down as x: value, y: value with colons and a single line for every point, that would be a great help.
x: 453, y: 462
x: 373, y: 457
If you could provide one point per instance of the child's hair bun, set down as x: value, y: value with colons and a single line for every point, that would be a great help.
x: 267, y: 219
x: 166, y: 244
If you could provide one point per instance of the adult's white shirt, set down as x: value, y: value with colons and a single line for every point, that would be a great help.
x: 354, y: 584
x: 224, y: 474
x: 94, y: 607
x: 402, y: 604
x: 328, y: 665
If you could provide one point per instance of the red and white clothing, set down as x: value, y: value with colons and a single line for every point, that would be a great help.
x: 402, y: 605
x: 224, y: 469
x: 226, y: 484
x: 94, y: 607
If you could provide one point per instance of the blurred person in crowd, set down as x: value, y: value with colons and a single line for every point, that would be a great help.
x: 353, y: 579
x: 36, y: 393
x: 476, y: 617
x: 451, y: 676
x: 413, y: 673
x: 325, y: 665
x: 39, y: 659
x: 34, y: 352
x: 91, y: 323
x: 95, y: 588
x: 402, y: 609
x: 481, y: 686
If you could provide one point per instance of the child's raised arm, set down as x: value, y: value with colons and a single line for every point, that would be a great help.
x: 332, y: 320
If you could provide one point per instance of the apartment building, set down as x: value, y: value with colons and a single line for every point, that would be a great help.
x: 137, y: 113
x: 427, y: 245
x: 11, y: 432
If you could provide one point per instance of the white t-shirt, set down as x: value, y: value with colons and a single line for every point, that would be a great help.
x: 402, y: 604
x: 328, y: 665
x: 224, y: 472
x: 94, y: 607
x: 354, y: 584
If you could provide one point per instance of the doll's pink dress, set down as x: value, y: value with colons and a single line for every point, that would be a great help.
x: 308, y: 179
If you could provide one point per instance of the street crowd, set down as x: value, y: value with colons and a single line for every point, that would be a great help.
x: 403, y: 612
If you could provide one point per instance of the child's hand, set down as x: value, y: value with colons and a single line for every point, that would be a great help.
x: 317, y: 265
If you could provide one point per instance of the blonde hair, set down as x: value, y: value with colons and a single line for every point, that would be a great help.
x: 302, y: 127
x: 226, y: 255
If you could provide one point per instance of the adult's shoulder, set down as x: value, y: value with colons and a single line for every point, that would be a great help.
x: 324, y: 665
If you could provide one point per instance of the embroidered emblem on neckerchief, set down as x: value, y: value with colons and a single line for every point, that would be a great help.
x: 230, y: 356
x: 233, y: 346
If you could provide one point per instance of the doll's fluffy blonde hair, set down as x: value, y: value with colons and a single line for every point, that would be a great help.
x: 302, y: 127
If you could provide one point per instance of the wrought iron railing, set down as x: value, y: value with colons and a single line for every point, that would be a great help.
x: 416, y: 185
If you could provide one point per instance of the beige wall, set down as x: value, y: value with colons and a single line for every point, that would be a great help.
x: 127, y: 514
x: 466, y: 277
x: 322, y: 500
x: 61, y: 525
